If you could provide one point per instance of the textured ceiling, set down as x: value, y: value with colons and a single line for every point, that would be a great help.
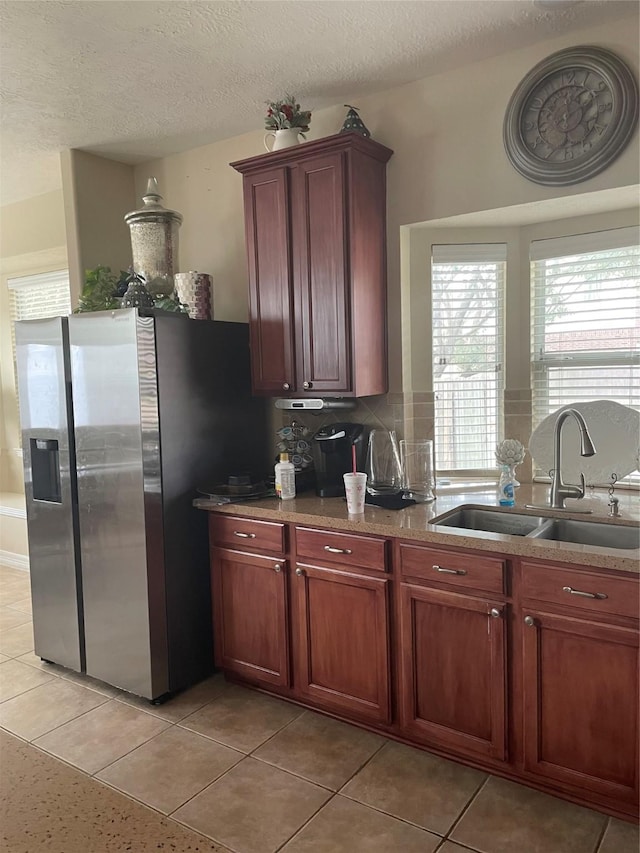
x: 137, y: 80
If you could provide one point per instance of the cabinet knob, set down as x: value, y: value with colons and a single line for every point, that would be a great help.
x: 286, y: 386
x: 495, y: 613
x: 307, y: 385
x: 277, y: 568
x: 529, y: 621
x: 299, y: 572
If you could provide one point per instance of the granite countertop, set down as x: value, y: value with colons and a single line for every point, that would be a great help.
x: 414, y: 522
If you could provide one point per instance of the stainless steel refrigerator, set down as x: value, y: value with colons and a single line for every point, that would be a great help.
x: 124, y: 414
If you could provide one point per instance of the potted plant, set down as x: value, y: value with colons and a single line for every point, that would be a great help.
x: 285, y: 121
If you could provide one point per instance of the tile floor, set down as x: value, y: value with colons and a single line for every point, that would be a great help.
x: 258, y: 775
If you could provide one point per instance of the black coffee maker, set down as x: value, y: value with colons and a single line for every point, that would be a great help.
x: 332, y: 455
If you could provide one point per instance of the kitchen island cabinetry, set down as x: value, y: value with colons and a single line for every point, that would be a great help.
x: 316, y: 235
x: 580, y: 680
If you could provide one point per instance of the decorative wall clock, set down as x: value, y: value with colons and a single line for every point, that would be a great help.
x: 571, y: 116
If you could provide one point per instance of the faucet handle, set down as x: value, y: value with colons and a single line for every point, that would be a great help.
x: 581, y: 487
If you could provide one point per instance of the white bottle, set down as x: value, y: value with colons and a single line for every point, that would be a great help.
x: 285, y: 478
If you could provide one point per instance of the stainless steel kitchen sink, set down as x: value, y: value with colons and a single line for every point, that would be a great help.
x: 589, y: 533
x: 577, y: 532
x: 490, y: 520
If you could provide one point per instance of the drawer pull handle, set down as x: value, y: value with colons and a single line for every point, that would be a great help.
x: 244, y: 535
x: 277, y: 568
x: 529, y: 621
x: 448, y: 571
x: 333, y: 550
x: 572, y: 591
x: 299, y: 572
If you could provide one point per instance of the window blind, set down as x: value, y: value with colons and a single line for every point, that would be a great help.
x: 585, y: 320
x: 33, y: 297
x: 468, y: 282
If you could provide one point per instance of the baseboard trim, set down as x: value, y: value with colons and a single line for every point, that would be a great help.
x: 14, y: 561
x: 13, y: 512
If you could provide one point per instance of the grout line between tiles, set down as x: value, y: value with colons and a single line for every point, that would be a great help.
x: 465, y: 808
x: 300, y: 828
x: 363, y: 765
x: 207, y: 837
x: 281, y: 729
x: 292, y: 773
x: 461, y: 846
x: 24, y: 693
x: 607, y: 823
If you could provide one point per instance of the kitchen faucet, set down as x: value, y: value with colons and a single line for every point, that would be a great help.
x: 560, y: 490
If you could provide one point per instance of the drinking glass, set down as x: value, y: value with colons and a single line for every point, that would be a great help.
x: 418, y: 480
x: 382, y: 466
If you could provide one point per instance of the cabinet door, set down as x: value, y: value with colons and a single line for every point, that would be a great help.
x: 453, y: 671
x: 266, y: 206
x: 342, y: 660
x: 250, y: 615
x: 581, y: 703
x: 321, y: 294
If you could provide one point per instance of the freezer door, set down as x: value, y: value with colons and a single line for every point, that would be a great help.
x: 49, y: 473
x: 117, y: 453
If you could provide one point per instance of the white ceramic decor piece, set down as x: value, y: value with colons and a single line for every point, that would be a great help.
x: 614, y: 430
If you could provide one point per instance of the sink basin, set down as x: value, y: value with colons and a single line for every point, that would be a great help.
x: 491, y: 520
x: 577, y: 532
x: 589, y: 533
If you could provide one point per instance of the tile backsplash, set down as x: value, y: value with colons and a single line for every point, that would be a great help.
x: 411, y: 415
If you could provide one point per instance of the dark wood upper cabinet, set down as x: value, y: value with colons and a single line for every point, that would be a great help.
x: 316, y: 246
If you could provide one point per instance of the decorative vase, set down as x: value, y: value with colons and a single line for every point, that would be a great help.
x: 284, y: 138
x: 154, y: 241
x: 194, y: 289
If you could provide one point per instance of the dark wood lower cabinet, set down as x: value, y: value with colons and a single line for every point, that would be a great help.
x: 581, y: 689
x: 250, y: 616
x: 342, y: 641
x: 453, y: 671
x: 472, y: 665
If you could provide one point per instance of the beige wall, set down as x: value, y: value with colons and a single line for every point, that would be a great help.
x: 97, y: 194
x: 449, y: 159
x: 32, y: 240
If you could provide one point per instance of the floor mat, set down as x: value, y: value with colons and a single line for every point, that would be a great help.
x: 46, y: 805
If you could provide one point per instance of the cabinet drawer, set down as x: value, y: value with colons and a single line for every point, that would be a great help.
x: 452, y: 567
x: 239, y: 532
x: 590, y: 591
x: 326, y: 546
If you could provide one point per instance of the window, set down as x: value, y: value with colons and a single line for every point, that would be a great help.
x: 33, y: 297
x: 585, y: 320
x: 467, y: 320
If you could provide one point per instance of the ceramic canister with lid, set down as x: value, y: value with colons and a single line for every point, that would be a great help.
x: 154, y: 241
